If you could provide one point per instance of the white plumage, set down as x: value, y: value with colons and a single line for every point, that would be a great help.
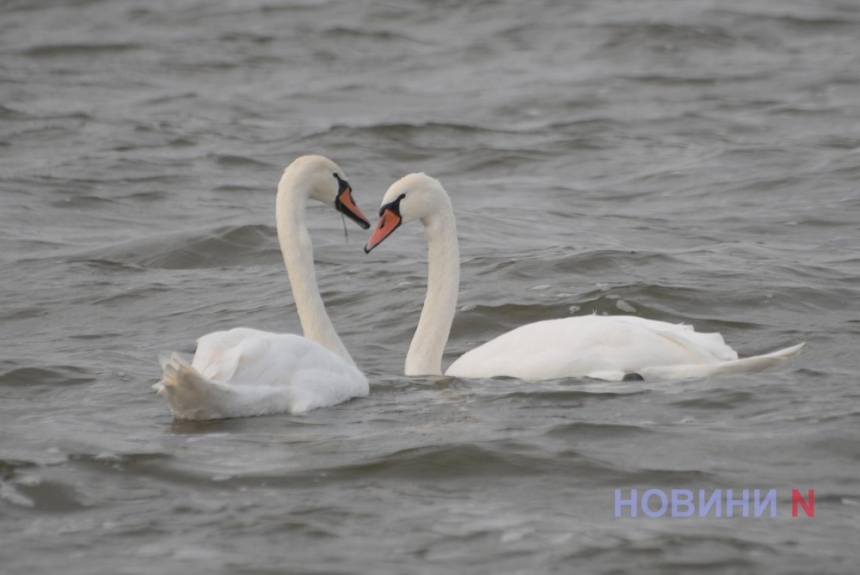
x: 608, y: 348
x: 245, y: 372
x: 601, y: 347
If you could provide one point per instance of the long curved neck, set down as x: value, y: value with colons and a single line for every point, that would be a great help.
x: 297, y: 249
x: 443, y: 284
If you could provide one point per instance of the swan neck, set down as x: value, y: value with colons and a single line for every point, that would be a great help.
x: 297, y: 249
x: 443, y: 283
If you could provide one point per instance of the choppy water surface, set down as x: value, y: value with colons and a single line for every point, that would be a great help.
x: 687, y: 161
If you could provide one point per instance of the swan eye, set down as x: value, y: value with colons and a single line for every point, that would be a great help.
x: 341, y: 183
x: 393, y: 206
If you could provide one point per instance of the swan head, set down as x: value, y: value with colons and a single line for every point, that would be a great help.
x: 412, y: 197
x: 326, y: 183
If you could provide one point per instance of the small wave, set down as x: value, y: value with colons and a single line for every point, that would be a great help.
x: 223, y: 247
x: 10, y: 114
x: 483, y: 319
x: 714, y: 401
x: 252, y: 37
x: 638, y: 477
x: 661, y: 36
x: 45, y: 376
x: 361, y: 33
x: 231, y: 160
x: 608, y: 261
x: 843, y: 448
x: 118, y: 461
x: 433, y: 132
x: 596, y: 431
x: 793, y: 23
x: 64, y: 50
x: 570, y: 397
x: 42, y: 496
x: 84, y: 202
x: 687, y: 79
x: 466, y: 460
x: 22, y: 487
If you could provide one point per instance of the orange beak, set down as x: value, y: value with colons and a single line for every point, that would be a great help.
x: 388, y: 222
x: 346, y: 205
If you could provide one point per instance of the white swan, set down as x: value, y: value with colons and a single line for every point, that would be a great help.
x: 602, y: 347
x: 245, y: 372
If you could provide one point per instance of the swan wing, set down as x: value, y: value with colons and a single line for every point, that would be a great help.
x: 245, y: 372
x: 248, y: 356
x: 603, y: 347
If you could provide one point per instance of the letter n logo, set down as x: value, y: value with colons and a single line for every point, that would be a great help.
x: 807, y: 504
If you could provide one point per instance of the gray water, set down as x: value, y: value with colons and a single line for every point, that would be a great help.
x: 687, y: 161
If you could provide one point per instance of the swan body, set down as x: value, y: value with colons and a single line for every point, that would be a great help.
x: 601, y: 347
x: 608, y: 348
x: 246, y: 372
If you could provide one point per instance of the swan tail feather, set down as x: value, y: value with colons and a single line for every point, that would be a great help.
x: 746, y: 365
x: 190, y: 395
x: 759, y: 362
